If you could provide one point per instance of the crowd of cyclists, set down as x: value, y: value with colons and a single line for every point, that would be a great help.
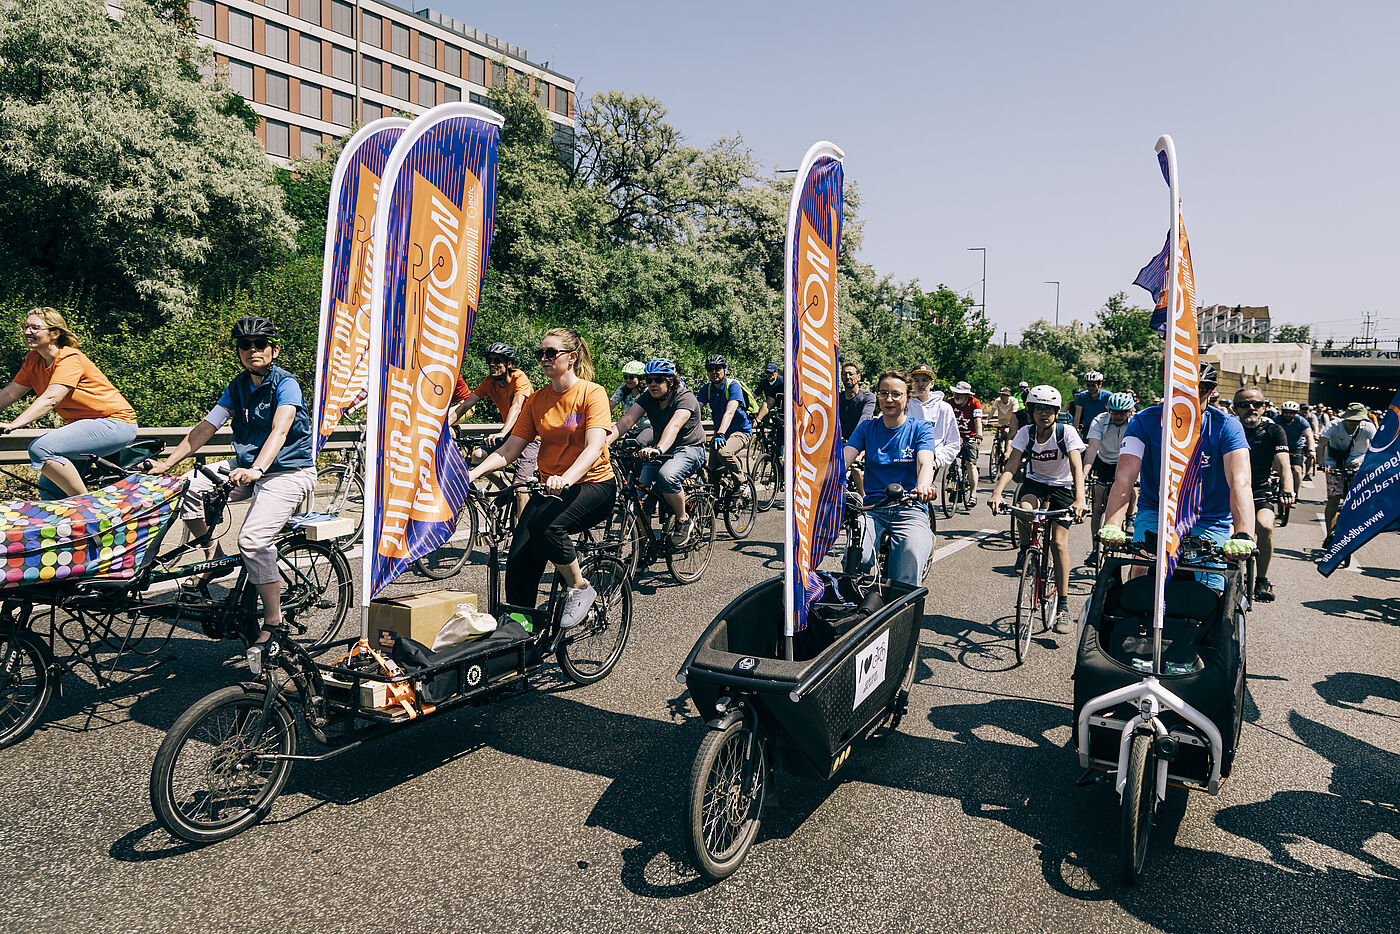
x: 1097, y: 456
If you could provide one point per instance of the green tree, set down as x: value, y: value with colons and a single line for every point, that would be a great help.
x: 127, y: 176
x: 1132, y: 352
x: 1293, y: 334
x: 1072, y: 345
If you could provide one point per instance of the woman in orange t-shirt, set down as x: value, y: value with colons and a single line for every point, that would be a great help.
x: 571, y: 417
x: 99, y: 420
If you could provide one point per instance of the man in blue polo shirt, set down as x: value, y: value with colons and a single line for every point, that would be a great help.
x: 1225, y: 479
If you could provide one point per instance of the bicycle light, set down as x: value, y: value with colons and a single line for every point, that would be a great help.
x: 255, y: 660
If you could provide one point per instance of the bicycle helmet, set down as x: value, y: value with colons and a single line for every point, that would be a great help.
x: 500, y: 349
x: 1121, y: 402
x: 255, y: 327
x: 1023, y: 385
x: 660, y: 367
x: 715, y: 359
x: 1093, y: 376
x: 1044, y: 395
x: 1208, y: 378
x: 1290, y: 407
x: 634, y: 368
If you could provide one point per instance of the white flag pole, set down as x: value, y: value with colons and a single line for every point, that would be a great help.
x: 1164, y: 512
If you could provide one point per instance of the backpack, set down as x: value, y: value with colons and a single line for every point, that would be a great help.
x: 750, y: 406
x: 1020, y: 475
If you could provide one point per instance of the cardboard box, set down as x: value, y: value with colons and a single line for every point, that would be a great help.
x: 417, y: 616
x: 372, y: 693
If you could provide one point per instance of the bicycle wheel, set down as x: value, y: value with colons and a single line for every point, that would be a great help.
x: 741, y: 508
x: 317, y: 591
x: 26, y: 684
x: 687, y: 565
x: 1026, y: 605
x: 950, y: 490
x: 722, y: 816
x: 1049, y: 591
x: 1139, y: 803
x: 765, y: 481
x: 1015, y: 532
x: 448, y: 559
x: 1281, y: 511
x: 209, y: 782
x: 342, y: 494
x: 591, y: 649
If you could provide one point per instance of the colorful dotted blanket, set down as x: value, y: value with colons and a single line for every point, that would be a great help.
x: 104, y: 534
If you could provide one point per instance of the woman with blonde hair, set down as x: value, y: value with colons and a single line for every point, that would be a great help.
x: 99, y: 420
x: 572, y: 417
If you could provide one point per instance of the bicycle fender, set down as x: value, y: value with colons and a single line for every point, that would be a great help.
x: 727, y: 719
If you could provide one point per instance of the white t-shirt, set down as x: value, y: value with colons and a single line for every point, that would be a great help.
x: 1109, y: 435
x: 1339, y: 441
x: 1045, y: 463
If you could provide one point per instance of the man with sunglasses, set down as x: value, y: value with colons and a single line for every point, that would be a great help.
x: 273, y: 461
x: 508, y: 388
x: 770, y: 387
x: 1268, y: 452
x: 725, y: 397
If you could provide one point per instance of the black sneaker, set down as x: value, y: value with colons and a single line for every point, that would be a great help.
x: 1263, y: 590
x: 1093, y: 560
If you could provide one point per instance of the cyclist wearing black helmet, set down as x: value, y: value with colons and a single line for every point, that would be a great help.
x: 507, y: 387
x: 273, y: 461
x: 725, y: 397
x: 771, y: 389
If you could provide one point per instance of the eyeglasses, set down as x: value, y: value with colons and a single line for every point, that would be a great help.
x: 653, y: 380
x: 1251, y: 404
x: 23, y: 328
x: 492, y: 361
x: 549, y: 353
x: 1044, y: 410
x: 889, y: 394
x: 253, y: 343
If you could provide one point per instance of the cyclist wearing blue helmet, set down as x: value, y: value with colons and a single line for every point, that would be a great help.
x: 1106, y: 433
x: 675, y: 416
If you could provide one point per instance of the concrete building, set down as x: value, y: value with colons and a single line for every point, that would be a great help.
x: 1232, y: 324
x: 312, y: 68
x: 1282, y: 371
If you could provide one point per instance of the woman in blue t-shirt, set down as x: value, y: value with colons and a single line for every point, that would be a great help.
x: 273, y: 461
x: 897, y: 449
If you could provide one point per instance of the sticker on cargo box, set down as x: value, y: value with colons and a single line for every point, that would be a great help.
x: 870, y: 667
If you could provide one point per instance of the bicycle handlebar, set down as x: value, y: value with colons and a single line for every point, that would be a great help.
x: 894, y: 495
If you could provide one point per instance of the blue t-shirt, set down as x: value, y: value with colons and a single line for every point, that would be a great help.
x: 717, y: 399
x: 891, y: 456
x: 1220, y: 435
x: 1092, y: 407
x: 1294, y: 431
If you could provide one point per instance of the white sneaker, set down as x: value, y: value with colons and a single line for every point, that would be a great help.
x: 576, y: 604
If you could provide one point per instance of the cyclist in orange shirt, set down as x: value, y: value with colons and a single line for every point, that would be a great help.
x: 507, y: 387
x: 571, y: 417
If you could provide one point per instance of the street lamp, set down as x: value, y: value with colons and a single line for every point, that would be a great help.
x: 1057, y: 299
x: 983, y: 251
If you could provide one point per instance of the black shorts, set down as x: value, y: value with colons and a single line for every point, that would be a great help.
x: 1051, y: 497
x: 1296, y: 458
x: 1264, y: 497
x: 1105, y: 473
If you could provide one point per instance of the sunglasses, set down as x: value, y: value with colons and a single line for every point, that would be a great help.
x: 713, y: 369
x: 653, y: 380
x: 492, y: 361
x: 1251, y: 404
x: 253, y: 343
x: 549, y: 353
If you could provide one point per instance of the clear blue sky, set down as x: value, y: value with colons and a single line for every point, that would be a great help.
x: 1028, y: 128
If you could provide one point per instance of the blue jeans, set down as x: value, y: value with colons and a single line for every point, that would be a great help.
x: 666, y: 477
x: 911, y: 541
x: 85, y: 438
x: 1147, y: 522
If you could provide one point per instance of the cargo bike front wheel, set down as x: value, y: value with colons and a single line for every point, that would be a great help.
x: 26, y: 683
x: 724, y: 803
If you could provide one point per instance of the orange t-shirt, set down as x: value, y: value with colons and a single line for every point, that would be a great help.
x: 561, y: 421
x: 90, y: 394
x: 518, y: 384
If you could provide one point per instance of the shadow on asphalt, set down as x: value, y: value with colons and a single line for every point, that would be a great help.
x: 770, y: 553
x: 1362, y: 608
x: 1351, y: 689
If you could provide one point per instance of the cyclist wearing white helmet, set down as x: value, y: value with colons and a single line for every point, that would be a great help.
x: 1300, y: 439
x: 1101, y: 458
x: 1054, y: 480
x: 967, y: 408
x: 1090, y: 403
x: 1268, y: 454
x: 625, y: 396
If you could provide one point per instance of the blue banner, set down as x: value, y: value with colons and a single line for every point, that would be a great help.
x: 1373, y: 502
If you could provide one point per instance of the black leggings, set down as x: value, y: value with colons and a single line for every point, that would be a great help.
x: 545, y: 532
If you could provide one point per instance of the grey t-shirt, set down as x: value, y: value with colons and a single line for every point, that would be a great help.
x: 691, y: 432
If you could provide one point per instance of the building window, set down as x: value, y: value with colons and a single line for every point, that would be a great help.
x: 342, y: 63
x: 310, y: 100
x: 542, y: 93
x: 371, y: 29
x: 427, y: 91
x: 342, y: 17
x: 278, y: 5
x: 275, y: 38
x: 310, y: 53
x: 240, y: 29
x: 450, y: 92
x: 482, y: 99
x: 310, y: 11
x: 398, y: 39
x: 452, y: 60
x: 277, y: 90
x: 476, y: 69
x: 309, y: 141
x: 202, y: 12
x: 398, y: 83
x: 240, y: 79
x: 371, y: 73
x: 427, y: 50
x: 498, y: 74
x: 342, y: 108
x: 561, y: 101
x: 277, y: 135
x: 370, y: 111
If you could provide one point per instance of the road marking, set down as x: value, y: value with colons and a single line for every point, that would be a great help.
x: 959, y: 545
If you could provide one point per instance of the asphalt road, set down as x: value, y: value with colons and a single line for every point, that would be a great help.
x: 561, y: 810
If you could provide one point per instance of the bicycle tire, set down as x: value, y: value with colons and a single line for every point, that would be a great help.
x: 347, y: 501
x: 722, y: 821
x: 687, y: 565
x: 216, y: 734
x: 317, y: 591
x: 26, y: 684
x: 1049, y: 590
x: 741, y: 509
x: 950, y: 485
x: 765, y: 481
x: 590, y: 650
x: 1015, y: 531
x: 448, y: 559
x: 1026, y: 606
x: 1139, y: 792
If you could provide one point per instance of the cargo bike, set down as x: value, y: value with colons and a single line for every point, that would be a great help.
x: 226, y: 759
x: 1158, y: 707
x: 86, y: 584
x: 847, y: 682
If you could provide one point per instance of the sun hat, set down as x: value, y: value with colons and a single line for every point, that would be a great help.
x: 1355, y: 412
